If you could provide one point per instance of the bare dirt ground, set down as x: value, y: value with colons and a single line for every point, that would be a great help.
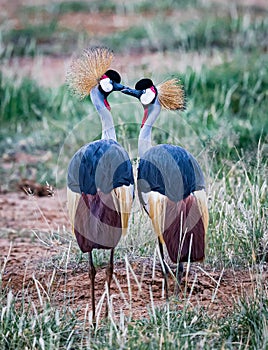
x: 215, y: 291
x: 26, y: 260
x: 21, y: 214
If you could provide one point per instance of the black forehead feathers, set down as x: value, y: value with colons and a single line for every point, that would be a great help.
x: 144, y: 84
x: 113, y: 75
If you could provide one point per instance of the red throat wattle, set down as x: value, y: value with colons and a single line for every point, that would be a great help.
x: 145, y: 116
x: 107, y: 105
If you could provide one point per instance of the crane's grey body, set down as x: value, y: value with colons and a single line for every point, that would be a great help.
x: 100, y: 165
x: 171, y: 171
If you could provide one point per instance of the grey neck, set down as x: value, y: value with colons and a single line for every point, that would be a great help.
x: 145, y: 136
x: 97, y: 98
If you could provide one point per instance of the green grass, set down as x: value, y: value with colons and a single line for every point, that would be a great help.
x: 249, y: 324
x: 31, y: 120
x: 25, y: 102
x: 104, y: 6
x: 41, y: 325
x: 227, y: 104
x: 213, y: 28
x: 35, y: 327
x: 221, y: 31
x: 237, y: 215
x: 244, y: 32
x: 43, y: 38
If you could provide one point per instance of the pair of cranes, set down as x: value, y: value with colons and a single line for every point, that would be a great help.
x: 100, y: 182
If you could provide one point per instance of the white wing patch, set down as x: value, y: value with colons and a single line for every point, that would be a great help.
x: 203, y: 206
x: 72, y: 202
x: 123, y: 199
x: 145, y: 200
x: 155, y: 205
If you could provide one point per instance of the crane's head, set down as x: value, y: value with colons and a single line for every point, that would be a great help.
x: 92, y: 69
x: 169, y: 94
x: 145, y: 91
x: 109, y: 82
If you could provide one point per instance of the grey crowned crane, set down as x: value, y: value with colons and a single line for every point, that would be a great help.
x: 170, y: 182
x: 100, y: 183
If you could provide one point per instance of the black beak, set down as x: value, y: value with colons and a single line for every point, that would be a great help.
x: 117, y: 86
x: 132, y: 92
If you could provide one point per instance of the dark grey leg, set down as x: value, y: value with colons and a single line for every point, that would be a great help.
x: 179, y: 274
x: 164, y: 268
x: 92, y: 274
x: 109, y: 276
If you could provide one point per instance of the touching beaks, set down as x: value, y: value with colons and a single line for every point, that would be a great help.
x: 132, y: 92
x: 117, y: 86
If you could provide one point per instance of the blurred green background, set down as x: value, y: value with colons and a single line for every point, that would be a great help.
x: 219, y: 51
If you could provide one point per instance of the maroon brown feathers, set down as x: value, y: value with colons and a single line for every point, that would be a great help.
x: 97, y: 223
x: 185, y: 229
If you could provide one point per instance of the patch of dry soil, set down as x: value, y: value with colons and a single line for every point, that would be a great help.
x: 26, y: 260
x: 20, y: 212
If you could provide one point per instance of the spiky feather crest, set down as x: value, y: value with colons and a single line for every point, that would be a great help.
x: 86, y: 70
x: 171, y: 95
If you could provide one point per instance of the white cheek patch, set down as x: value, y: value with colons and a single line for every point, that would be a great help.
x: 106, y: 85
x: 147, y: 97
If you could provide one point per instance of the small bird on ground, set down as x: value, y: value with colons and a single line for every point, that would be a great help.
x: 100, y: 182
x: 170, y: 182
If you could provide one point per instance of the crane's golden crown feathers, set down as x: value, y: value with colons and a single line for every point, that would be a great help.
x: 171, y: 95
x: 86, y: 70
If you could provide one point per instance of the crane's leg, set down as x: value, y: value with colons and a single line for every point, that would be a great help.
x: 164, y: 268
x: 92, y: 274
x: 179, y: 274
x: 109, y: 276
